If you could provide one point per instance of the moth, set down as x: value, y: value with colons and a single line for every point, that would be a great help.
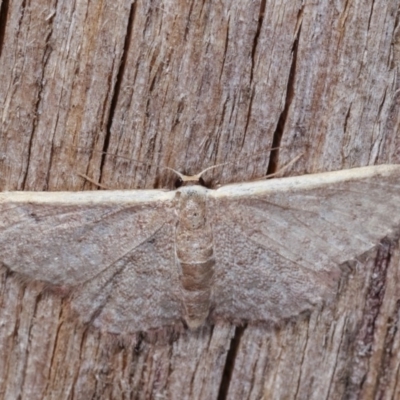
x: 249, y: 252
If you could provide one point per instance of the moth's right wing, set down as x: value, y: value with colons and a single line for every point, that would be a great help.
x: 113, y: 250
x: 279, y: 243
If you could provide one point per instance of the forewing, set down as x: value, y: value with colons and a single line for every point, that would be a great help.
x: 279, y: 244
x: 114, y: 254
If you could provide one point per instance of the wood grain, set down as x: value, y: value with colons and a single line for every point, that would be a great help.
x: 188, y: 85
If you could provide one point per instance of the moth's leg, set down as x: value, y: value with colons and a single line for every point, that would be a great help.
x: 93, y: 181
x: 285, y: 167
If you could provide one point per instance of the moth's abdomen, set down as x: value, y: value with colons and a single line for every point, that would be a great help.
x: 195, y: 256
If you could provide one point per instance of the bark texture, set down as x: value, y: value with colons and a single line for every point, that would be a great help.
x: 187, y: 85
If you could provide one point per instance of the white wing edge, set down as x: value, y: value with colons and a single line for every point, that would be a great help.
x: 303, y: 182
x: 101, y: 197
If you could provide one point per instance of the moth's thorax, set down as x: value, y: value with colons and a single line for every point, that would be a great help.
x: 194, y: 251
x: 192, y: 207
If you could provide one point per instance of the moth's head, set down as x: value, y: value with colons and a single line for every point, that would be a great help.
x: 191, y: 180
x: 186, y: 180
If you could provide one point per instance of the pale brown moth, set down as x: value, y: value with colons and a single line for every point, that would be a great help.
x: 249, y: 252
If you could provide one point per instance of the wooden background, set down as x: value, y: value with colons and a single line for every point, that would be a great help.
x: 189, y: 84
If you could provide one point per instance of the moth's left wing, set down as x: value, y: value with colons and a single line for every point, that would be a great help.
x: 113, y: 251
x: 279, y: 243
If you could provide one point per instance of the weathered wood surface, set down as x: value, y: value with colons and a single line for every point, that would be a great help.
x: 188, y: 85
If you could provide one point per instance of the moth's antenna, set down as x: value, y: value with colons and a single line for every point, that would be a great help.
x: 240, y: 158
x: 182, y: 176
x: 207, y: 169
x: 195, y: 178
